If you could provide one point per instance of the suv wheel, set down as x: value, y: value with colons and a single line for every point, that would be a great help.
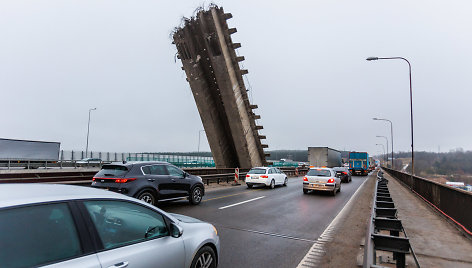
x: 272, y: 184
x: 147, y: 197
x: 285, y: 182
x: 205, y: 258
x: 196, y: 195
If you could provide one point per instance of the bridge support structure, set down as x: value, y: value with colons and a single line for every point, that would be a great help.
x: 210, y: 61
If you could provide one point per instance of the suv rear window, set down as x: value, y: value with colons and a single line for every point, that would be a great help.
x: 319, y: 173
x: 112, y: 170
x: 257, y: 171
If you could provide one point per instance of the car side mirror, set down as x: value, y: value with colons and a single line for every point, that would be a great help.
x: 185, y: 175
x: 175, y: 230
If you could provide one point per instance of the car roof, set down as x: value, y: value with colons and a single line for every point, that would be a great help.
x: 14, y: 194
x: 262, y: 167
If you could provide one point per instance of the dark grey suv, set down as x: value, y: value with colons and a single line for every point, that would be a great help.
x: 150, y: 181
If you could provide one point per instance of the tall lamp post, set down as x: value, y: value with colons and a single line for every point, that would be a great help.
x: 386, y: 141
x: 411, y: 106
x: 199, y: 132
x: 88, y: 131
x: 383, y: 147
x: 391, y: 133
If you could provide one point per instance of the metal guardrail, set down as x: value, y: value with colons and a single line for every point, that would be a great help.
x: 451, y: 202
x: 209, y: 175
x: 383, y: 231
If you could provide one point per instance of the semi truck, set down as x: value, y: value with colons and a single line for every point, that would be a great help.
x: 359, y: 163
x: 324, y: 157
x: 33, y: 153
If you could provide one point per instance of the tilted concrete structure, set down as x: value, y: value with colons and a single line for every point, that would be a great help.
x: 211, y: 64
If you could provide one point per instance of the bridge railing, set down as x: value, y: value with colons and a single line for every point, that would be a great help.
x: 451, y: 202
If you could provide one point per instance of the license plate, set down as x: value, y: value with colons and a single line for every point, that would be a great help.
x: 255, y: 177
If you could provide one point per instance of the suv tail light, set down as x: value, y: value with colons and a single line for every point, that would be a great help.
x: 330, y: 180
x: 247, y: 176
x: 116, y: 180
x: 124, y: 180
x: 305, y: 179
x: 264, y: 176
x: 344, y: 172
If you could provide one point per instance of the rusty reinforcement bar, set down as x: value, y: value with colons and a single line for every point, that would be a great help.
x: 451, y: 202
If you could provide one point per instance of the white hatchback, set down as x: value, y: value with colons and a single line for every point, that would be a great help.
x: 321, y: 179
x: 268, y: 176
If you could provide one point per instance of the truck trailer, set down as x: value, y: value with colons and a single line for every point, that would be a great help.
x: 324, y: 157
x: 359, y: 163
x: 28, y: 152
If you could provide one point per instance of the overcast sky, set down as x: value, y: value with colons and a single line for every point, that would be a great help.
x: 306, y: 62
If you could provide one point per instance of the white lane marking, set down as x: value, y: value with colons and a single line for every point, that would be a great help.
x: 318, y: 247
x: 250, y: 200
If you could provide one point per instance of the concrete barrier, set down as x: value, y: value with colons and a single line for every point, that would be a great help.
x: 453, y: 203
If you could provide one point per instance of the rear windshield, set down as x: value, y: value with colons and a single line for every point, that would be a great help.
x: 319, y: 173
x: 257, y: 171
x: 112, y: 170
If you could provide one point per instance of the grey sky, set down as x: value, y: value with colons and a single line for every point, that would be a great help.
x: 306, y: 62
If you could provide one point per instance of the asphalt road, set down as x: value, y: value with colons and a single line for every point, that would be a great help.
x: 271, y: 228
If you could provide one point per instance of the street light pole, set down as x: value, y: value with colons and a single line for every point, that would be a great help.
x: 199, y: 132
x: 411, y: 107
x: 383, y: 147
x: 386, y: 141
x: 88, y: 130
x: 391, y: 133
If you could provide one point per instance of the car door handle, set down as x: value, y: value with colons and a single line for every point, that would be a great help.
x: 151, y: 179
x: 173, y: 180
x: 122, y: 264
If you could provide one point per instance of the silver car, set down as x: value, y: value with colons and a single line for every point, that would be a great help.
x: 321, y: 179
x: 49, y: 225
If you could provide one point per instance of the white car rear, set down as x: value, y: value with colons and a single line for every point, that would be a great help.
x: 267, y: 176
x: 321, y: 179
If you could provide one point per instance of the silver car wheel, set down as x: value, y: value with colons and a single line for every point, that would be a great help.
x: 272, y: 184
x: 204, y: 261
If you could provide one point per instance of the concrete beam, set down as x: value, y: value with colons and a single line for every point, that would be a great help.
x: 232, y: 31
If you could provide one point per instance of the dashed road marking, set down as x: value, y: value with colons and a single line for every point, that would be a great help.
x: 243, y: 202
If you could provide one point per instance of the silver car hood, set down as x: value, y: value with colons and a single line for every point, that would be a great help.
x: 185, y: 219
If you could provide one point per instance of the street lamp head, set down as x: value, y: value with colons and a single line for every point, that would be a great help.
x: 372, y: 58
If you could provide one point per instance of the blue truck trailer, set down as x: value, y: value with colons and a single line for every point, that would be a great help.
x: 359, y: 163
